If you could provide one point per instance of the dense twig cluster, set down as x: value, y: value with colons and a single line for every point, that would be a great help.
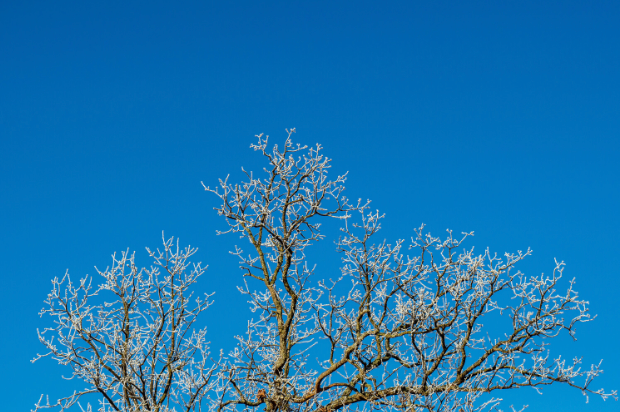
x: 131, y: 339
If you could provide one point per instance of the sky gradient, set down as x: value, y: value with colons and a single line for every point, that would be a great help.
x: 501, y: 118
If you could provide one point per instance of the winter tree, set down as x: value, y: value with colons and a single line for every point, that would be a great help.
x: 400, y: 328
x: 426, y: 325
x: 131, y: 338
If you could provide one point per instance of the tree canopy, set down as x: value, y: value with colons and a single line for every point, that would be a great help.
x: 425, y: 325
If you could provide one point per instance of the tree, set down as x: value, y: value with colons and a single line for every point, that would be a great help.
x: 392, y: 331
x: 395, y: 330
x: 131, y: 339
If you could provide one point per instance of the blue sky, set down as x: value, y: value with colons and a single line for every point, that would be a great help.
x: 501, y: 118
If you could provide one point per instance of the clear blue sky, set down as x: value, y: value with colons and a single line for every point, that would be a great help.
x: 499, y: 117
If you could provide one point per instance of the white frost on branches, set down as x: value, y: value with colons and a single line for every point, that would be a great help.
x: 423, y: 326
x: 131, y: 338
x: 398, y: 329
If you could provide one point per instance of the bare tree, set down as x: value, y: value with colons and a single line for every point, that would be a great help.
x: 131, y: 339
x: 395, y: 329
x: 432, y: 328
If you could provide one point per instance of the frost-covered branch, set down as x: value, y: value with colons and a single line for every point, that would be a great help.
x: 131, y: 338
